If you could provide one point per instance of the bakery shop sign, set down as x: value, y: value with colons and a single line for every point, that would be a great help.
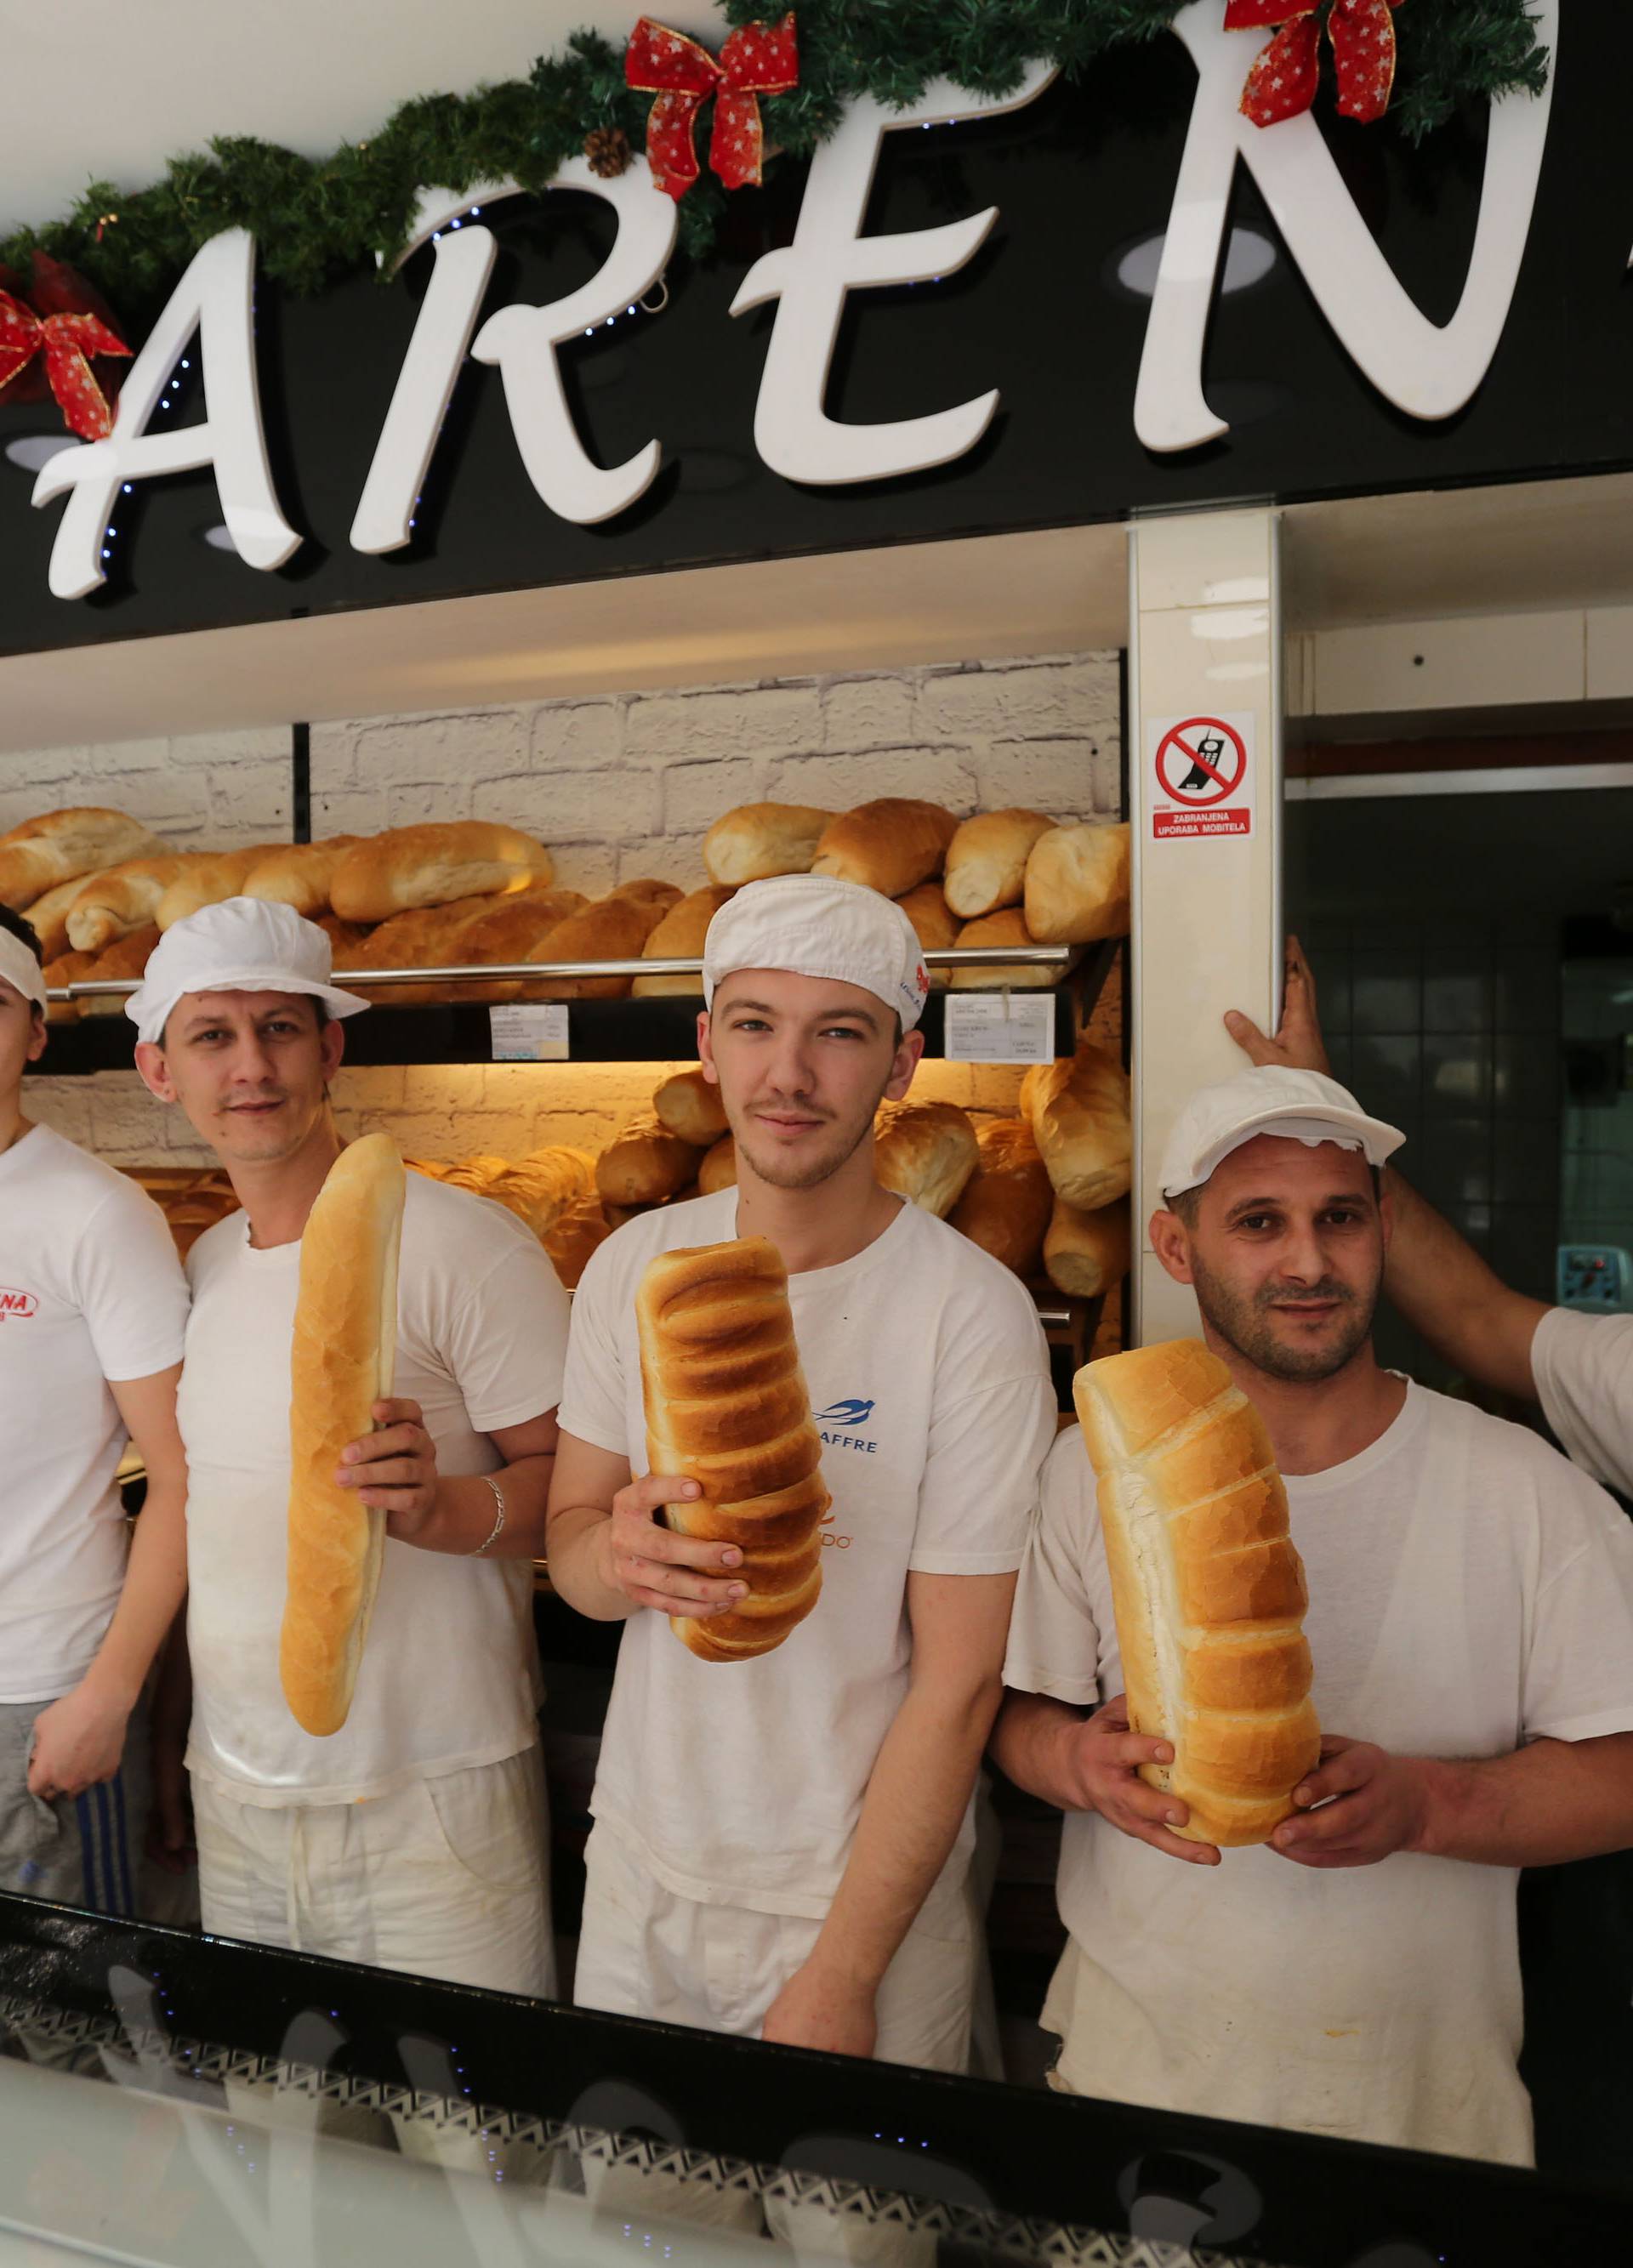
x: 1427, y: 371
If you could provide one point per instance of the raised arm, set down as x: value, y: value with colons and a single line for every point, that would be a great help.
x: 1434, y: 1277
x: 607, y: 1555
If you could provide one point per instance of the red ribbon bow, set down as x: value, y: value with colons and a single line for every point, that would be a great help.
x: 1283, y: 80
x: 65, y: 328
x: 757, y: 59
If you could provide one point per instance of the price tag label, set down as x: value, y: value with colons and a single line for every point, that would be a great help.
x: 529, y: 1032
x: 999, y: 1027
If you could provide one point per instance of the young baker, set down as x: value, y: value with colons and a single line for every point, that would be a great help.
x: 1470, y: 1624
x: 92, y: 1310
x: 414, y: 1838
x: 782, y: 1844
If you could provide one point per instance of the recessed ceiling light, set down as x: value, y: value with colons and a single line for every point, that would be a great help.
x: 1248, y: 261
x: 30, y: 451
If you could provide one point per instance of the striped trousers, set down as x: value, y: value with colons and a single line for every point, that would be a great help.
x: 76, y: 1850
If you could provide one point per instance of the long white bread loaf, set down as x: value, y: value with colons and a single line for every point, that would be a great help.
x: 1209, y: 1593
x: 727, y: 1407
x: 58, y: 845
x: 341, y: 1364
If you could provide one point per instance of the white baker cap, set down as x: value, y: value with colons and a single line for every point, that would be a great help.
x: 243, y: 944
x: 20, y: 969
x: 816, y: 925
x: 1299, y: 1106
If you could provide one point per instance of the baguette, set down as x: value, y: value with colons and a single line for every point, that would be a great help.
x: 727, y: 1407
x: 925, y: 1152
x: 206, y: 883
x: 543, y: 1185
x: 119, y: 964
x: 1007, y: 1200
x: 67, y: 968
x: 47, y: 918
x: 111, y: 904
x: 60, y: 845
x: 646, y: 890
x: 1085, y: 1252
x: 992, y: 932
x: 614, y: 928
x: 299, y: 874
x: 506, y: 929
x: 433, y: 865
x: 932, y: 924
x: 690, y: 1106
x: 1208, y: 1591
x: 889, y: 845
x: 987, y: 861
x: 758, y: 840
x: 645, y: 1163
x: 1077, y: 885
x: 342, y: 1362
x: 572, y: 1237
x: 679, y: 937
x: 1078, y: 1107
x: 717, y: 1170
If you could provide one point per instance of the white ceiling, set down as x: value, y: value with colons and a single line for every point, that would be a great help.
x: 112, y: 88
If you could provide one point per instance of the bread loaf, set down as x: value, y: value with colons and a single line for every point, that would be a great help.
x: 206, y: 882
x: 299, y: 874
x: 68, y: 968
x: 111, y: 904
x: 613, y: 929
x: 47, y: 918
x: 58, y: 845
x: 727, y: 1407
x: 889, y: 845
x: 932, y: 923
x: 411, y: 940
x: 925, y: 1152
x: 1078, y: 1107
x: 987, y: 860
x: 345, y: 937
x: 1007, y: 1200
x: 432, y: 865
x: 992, y: 934
x: 646, y: 890
x: 690, y: 1106
x: 679, y: 937
x: 342, y: 1362
x: 541, y: 1186
x: 1085, y: 1252
x: 1077, y: 885
x: 504, y: 931
x: 758, y: 840
x: 572, y: 1237
x: 645, y: 1163
x: 122, y: 963
x: 719, y: 1169
x: 1208, y: 1591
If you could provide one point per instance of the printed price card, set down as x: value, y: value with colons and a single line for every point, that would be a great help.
x: 529, y: 1032
x: 1000, y: 1028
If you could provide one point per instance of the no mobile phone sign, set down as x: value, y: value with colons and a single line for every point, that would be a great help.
x: 1204, y: 783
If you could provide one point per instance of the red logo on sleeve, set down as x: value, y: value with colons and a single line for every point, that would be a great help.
x: 15, y: 1305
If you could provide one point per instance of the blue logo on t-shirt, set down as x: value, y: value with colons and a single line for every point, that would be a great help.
x: 846, y: 1413
x: 838, y: 1424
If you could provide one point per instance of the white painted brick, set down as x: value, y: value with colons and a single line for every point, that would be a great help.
x: 251, y: 801
x: 370, y: 1087
x: 676, y: 858
x: 442, y: 1087
x: 124, y: 757
x: 413, y: 804
x: 63, y: 1104
x: 1032, y: 700
x: 422, y: 1134
x: 681, y: 727
x: 1057, y: 776
x: 331, y: 751
x: 129, y: 1125
x: 589, y: 867
x: 347, y: 811
x: 577, y: 806
x: 416, y: 751
x: 869, y: 712
x: 219, y: 751
x: 575, y: 735
x: 695, y: 795
x: 943, y: 775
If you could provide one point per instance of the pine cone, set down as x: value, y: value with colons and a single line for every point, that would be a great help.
x: 608, y: 150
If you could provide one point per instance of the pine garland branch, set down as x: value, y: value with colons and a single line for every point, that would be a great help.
x: 315, y: 221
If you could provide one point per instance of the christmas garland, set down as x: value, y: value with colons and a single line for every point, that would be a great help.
x: 317, y: 220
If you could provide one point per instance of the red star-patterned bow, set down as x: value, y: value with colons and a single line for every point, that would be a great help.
x: 757, y: 59
x: 1284, y: 77
x: 67, y: 324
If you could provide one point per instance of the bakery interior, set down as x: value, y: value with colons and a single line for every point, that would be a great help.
x: 1443, y: 690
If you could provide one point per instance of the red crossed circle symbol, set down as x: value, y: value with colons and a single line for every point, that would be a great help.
x: 1184, y: 749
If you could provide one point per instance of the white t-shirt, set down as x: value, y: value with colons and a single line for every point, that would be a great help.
x: 91, y: 1290
x: 741, y: 1783
x: 1582, y: 1365
x: 1469, y: 1592
x: 449, y: 1676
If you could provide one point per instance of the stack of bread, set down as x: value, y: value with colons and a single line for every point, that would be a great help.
x: 101, y: 890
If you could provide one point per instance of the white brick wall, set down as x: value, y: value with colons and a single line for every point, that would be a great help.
x: 622, y: 785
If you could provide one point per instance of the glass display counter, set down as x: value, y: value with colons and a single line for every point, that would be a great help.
x: 168, y: 2098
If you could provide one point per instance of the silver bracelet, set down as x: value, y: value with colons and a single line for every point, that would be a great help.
x: 499, y: 1524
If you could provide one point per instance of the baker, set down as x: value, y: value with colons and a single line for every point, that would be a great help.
x: 1578, y: 1366
x: 1471, y: 1624
x: 92, y: 1310
x: 415, y: 1836
x: 781, y: 1845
